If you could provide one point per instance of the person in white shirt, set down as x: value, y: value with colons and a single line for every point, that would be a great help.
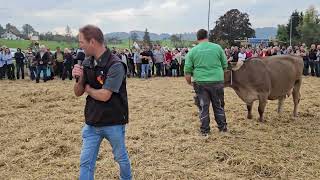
x: 242, y: 54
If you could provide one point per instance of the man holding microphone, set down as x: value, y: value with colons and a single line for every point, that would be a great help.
x: 102, y: 77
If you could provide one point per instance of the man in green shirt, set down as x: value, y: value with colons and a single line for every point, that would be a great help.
x: 206, y: 63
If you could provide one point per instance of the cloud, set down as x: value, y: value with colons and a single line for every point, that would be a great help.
x: 171, y: 16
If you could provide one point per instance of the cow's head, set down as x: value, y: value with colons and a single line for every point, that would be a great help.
x: 232, y: 66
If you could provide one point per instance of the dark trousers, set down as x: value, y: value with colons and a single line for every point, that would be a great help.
x: 67, y: 71
x: 10, y: 71
x: 138, y: 70
x: 33, y: 72
x: 182, y: 69
x: 152, y: 68
x: 2, y: 72
x: 312, y: 67
x: 214, y: 93
x: 42, y: 68
x: 20, y: 68
x: 131, y: 70
x: 317, y: 68
x: 159, y: 69
x: 306, y: 64
x: 59, y: 69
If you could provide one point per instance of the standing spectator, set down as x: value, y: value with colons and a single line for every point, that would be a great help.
x: 290, y: 51
x: 183, y: 57
x: 317, y: 63
x: 8, y: 61
x: 131, y: 72
x: 80, y: 55
x: 58, y: 56
x: 249, y: 53
x: 312, y: 59
x: 167, y: 62
x: 151, y: 62
x: 242, y: 54
x: 137, y: 61
x: 257, y: 52
x: 174, y: 67
x: 42, y: 58
x: 145, y: 58
x: 1, y: 64
x: 283, y: 50
x: 51, y: 65
x: 302, y: 52
x: 206, y: 63
x: 19, y: 57
x: 31, y: 64
x: 227, y: 51
x: 67, y: 64
x: 234, y: 55
x: 177, y: 57
x: 159, y: 57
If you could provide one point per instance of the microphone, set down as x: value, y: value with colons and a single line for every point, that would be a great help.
x: 77, y: 77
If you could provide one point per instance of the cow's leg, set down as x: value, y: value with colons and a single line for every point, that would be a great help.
x: 249, y: 108
x: 280, y: 104
x: 262, y: 105
x: 296, y: 96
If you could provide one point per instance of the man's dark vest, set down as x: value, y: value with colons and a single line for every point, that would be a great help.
x: 115, y: 110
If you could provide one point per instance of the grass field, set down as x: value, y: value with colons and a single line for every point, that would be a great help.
x: 24, y: 44
x: 40, y: 135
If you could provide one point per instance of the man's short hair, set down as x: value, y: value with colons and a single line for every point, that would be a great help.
x: 92, y: 32
x: 202, y: 34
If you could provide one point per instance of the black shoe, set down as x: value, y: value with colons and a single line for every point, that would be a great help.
x: 204, y: 134
x: 223, y: 129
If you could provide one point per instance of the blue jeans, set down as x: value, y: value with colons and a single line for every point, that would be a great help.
x: 42, y: 68
x: 144, y: 70
x: 91, y: 140
x: 174, y: 72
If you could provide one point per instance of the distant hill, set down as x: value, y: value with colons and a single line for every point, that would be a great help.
x: 265, y: 32
x: 153, y: 36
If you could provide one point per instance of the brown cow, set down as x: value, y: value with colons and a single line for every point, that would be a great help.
x: 264, y: 79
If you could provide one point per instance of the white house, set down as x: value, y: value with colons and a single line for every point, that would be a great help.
x: 10, y: 36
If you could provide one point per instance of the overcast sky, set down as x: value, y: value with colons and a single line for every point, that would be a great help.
x: 159, y: 16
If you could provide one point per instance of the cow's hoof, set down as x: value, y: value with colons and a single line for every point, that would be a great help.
x: 249, y: 117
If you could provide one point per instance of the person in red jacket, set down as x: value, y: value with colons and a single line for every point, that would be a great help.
x: 167, y: 62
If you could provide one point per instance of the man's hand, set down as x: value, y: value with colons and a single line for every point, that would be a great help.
x: 77, y: 71
x: 188, y: 79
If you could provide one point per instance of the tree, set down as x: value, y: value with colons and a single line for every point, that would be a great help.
x: 134, y: 36
x: 175, y: 40
x: 68, y: 34
x: 296, y: 19
x: 12, y: 29
x: 48, y: 36
x: 231, y: 26
x: 310, y: 27
x: 28, y: 30
x: 2, y: 30
x: 282, y: 34
x: 68, y: 31
x: 146, y: 38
